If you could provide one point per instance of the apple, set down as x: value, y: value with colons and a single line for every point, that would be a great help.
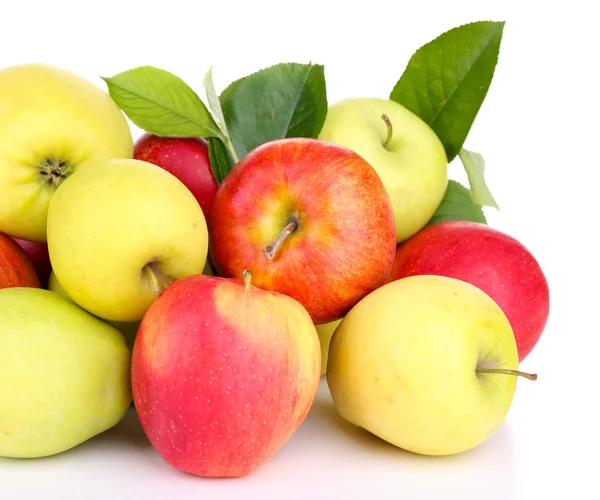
x: 311, y: 219
x: 489, y: 259
x: 186, y: 158
x: 405, y: 151
x: 52, y: 123
x: 223, y: 373
x: 37, y: 252
x: 325, y: 332
x: 128, y: 329
x: 426, y: 363
x: 119, y: 234
x: 65, y: 374
x: 16, y: 270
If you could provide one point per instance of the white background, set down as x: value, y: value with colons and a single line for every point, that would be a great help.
x: 538, y: 131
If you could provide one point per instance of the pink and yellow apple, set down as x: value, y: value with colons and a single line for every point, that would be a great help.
x: 186, y: 158
x: 223, y: 373
x: 493, y: 261
x: 311, y: 219
x: 16, y: 270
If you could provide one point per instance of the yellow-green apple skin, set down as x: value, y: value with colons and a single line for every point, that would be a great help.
x: 413, y: 166
x: 52, y: 123
x: 325, y: 331
x: 128, y: 329
x: 64, y: 374
x: 120, y: 233
x: 402, y: 365
x: 223, y: 373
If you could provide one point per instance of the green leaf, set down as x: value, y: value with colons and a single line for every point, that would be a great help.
x: 161, y: 103
x: 220, y: 160
x: 447, y: 79
x: 475, y: 168
x: 213, y: 102
x: 457, y: 205
x: 285, y: 100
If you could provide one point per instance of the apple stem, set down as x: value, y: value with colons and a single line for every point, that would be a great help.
x: 160, y: 281
x: 388, y: 123
x: 247, y: 275
x: 289, y: 228
x: 505, y: 371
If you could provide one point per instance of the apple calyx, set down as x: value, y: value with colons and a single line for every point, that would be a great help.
x: 390, y: 130
x: 54, y: 171
x: 289, y: 228
x: 159, y: 280
x: 506, y: 371
x: 247, y: 276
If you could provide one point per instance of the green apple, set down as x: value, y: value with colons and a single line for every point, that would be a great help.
x: 427, y: 363
x: 401, y: 147
x: 64, y: 374
x: 325, y: 331
x: 121, y: 233
x: 128, y: 329
x: 52, y: 123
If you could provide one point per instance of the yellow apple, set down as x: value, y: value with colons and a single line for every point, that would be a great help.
x: 128, y: 329
x: 427, y: 363
x: 405, y: 152
x: 120, y: 233
x: 52, y: 123
x: 325, y: 331
x: 65, y: 374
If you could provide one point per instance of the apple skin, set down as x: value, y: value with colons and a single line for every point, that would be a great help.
x: 40, y: 258
x: 223, y: 375
x: 135, y: 222
x: 413, y: 166
x: 186, y: 158
x: 493, y: 261
x: 402, y: 365
x: 53, y: 123
x: 65, y: 374
x: 325, y: 332
x: 16, y: 270
x: 345, y: 242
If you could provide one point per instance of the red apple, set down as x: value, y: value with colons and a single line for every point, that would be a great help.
x: 37, y: 252
x: 311, y: 219
x: 16, y: 270
x: 186, y: 158
x: 223, y: 373
x: 493, y: 261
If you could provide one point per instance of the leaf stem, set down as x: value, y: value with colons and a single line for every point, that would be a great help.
x: 229, y: 146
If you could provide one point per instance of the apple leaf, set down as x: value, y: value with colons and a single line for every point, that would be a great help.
x: 447, y: 79
x: 220, y: 160
x: 161, y: 103
x: 284, y: 100
x: 475, y: 168
x: 457, y: 205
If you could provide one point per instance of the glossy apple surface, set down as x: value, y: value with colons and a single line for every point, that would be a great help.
x: 16, y: 270
x: 491, y: 260
x: 223, y: 373
x: 311, y: 219
x: 186, y: 158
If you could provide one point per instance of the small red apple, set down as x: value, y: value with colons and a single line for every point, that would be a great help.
x: 37, y: 252
x: 186, y: 158
x: 312, y: 220
x: 493, y: 261
x: 223, y: 373
x: 16, y: 270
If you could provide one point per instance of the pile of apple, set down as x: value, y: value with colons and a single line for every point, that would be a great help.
x: 129, y: 274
